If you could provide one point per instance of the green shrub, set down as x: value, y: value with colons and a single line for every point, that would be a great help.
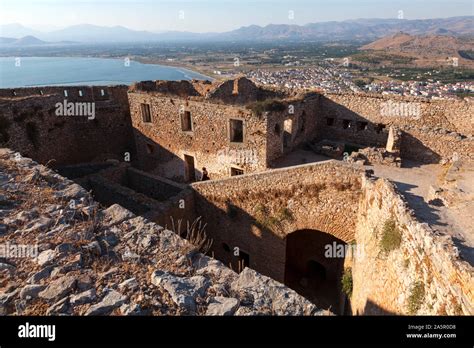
x: 346, y: 282
x: 417, y: 295
x: 391, y: 236
x: 285, y: 214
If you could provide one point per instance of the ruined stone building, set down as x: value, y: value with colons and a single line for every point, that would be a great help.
x: 287, y: 179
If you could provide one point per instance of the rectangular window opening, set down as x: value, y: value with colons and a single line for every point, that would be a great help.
x: 146, y: 113
x: 236, y: 171
x: 329, y: 121
x: 186, y: 122
x: 236, y: 131
x: 361, y: 126
x: 244, y: 260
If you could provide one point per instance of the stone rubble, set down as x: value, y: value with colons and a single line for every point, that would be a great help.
x: 86, y: 260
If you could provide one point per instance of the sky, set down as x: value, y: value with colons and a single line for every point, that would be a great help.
x: 216, y: 15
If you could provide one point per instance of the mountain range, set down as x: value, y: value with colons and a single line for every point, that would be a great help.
x: 358, y: 29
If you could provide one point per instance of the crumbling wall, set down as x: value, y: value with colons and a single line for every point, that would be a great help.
x: 303, y: 115
x: 427, y: 125
x: 162, y: 143
x: 29, y: 123
x: 405, y: 268
x: 256, y: 212
x: 239, y: 91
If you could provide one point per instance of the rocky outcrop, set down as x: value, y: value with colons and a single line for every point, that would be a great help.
x: 63, y: 254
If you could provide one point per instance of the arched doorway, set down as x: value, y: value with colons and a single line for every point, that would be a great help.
x: 312, y: 270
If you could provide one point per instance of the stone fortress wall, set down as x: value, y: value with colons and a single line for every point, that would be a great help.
x: 256, y: 212
x: 353, y: 208
x: 28, y: 123
x: 432, y: 130
x: 422, y: 275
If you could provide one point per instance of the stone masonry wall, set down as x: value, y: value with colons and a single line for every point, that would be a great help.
x: 256, y: 212
x: 303, y: 115
x: 423, y: 274
x: 162, y: 144
x: 432, y: 129
x: 29, y: 124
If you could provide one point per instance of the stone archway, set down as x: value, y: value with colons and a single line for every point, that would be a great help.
x: 312, y: 270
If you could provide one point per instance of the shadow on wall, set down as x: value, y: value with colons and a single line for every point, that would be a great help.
x: 413, y: 148
x: 372, y: 308
x: 154, y: 158
x: 423, y: 210
x: 251, y: 244
x: 342, y: 124
x: 298, y: 260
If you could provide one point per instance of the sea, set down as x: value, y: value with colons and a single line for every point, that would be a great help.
x: 72, y: 71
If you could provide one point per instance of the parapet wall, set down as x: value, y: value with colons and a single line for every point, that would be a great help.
x: 423, y: 274
x: 256, y: 212
x: 29, y: 123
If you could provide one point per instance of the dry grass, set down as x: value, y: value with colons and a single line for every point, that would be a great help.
x: 195, y: 233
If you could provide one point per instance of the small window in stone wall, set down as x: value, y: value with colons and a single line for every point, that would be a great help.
x: 379, y: 127
x: 146, y: 113
x: 329, y: 121
x: 302, y: 122
x: 277, y: 129
x: 80, y: 93
x: 186, y: 121
x: 102, y: 93
x: 65, y: 93
x: 244, y: 261
x: 236, y: 131
x: 149, y: 148
x: 361, y: 126
x: 346, y: 124
x: 236, y: 171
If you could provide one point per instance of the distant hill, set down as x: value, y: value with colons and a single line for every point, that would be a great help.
x: 416, y: 43
x: 362, y: 29
x: 26, y: 41
x: 422, y: 50
x: 358, y: 29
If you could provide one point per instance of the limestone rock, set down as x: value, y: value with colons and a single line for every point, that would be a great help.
x: 46, y: 257
x: 31, y: 291
x: 222, y: 306
x: 87, y: 296
x: 115, y: 215
x: 183, y: 291
x: 59, y: 288
x: 111, y: 301
x: 129, y: 284
x: 44, y: 273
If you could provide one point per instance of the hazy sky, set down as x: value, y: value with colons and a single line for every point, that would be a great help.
x: 215, y: 15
